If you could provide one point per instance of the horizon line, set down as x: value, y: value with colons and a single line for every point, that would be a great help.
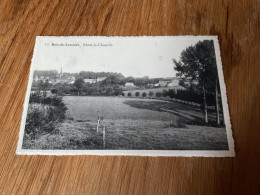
x: 107, y: 72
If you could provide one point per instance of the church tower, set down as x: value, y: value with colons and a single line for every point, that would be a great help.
x: 61, y: 71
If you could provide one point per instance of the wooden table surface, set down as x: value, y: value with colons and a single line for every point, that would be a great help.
x: 237, y: 25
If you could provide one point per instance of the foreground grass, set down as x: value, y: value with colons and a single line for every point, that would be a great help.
x: 128, y: 134
x: 134, y: 124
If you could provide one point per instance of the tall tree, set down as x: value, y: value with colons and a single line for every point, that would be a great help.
x: 197, y: 65
x: 79, y: 84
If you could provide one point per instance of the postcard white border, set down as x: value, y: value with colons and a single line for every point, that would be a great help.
x: 173, y: 153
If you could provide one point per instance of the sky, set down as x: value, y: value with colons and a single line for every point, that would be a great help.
x: 137, y: 57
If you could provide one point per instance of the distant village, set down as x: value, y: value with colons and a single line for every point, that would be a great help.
x: 54, y: 77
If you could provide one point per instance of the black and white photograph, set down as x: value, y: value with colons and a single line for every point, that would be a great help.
x: 145, y: 96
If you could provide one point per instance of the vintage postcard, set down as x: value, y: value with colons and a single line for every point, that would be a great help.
x: 140, y: 96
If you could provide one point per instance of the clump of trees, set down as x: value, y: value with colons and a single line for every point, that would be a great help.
x: 93, y: 75
x: 118, y: 78
x: 79, y: 84
x: 112, y: 81
x: 137, y: 94
x: 105, y: 88
x: 45, y: 73
x: 197, y: 66
x: 144, y: 94
x: 41, y: 85
x: 44, y: 113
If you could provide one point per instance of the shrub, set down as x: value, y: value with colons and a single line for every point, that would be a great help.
x: 144, y: 94
x: 171, y: 93
x: 151, y: 93
x: 137, y: 94
x: 54, y: 91
x: 129, y: 94
x: 44, y: 113
x: 33, y: 121
x: 117, y: 91
x: 158, y: 94
x: 165, y: 93
x: 36, y: 97
x: 123, y: 94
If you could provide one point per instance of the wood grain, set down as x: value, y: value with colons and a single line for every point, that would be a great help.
x: 237, y: 25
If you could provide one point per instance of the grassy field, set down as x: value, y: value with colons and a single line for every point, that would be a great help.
x: 86, y: 108
x: 132, y: 124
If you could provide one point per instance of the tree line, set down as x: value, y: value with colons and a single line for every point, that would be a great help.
x: 118, y: 78
x: 111, y: 83
x: 91, y: 89
x: 188, y: 96
x: 198, y: 68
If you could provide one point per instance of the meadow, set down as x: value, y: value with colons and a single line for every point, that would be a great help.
x: 137, y: 124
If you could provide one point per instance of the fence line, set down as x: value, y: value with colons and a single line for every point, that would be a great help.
x: 104, y: 136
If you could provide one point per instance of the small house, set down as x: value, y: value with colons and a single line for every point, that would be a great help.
x: 129, y: 85
x: 90, y: 80
x: 101, y: 79
x: 174, y: 82
x: 163, y: 83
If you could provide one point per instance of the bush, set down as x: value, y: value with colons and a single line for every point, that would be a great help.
x: 151, y: 93
x: 172, y: 93
x: 129, y: 94
x: 123, y: 94
x: 158, y: 94
x: 34, y: 121
x: 137, y: 94
x: 117, y: 91
x: 36, y: 97
x: 144, y: 94
x: 44, y: 113
x: 165, y: 93
x: 54, y: 91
